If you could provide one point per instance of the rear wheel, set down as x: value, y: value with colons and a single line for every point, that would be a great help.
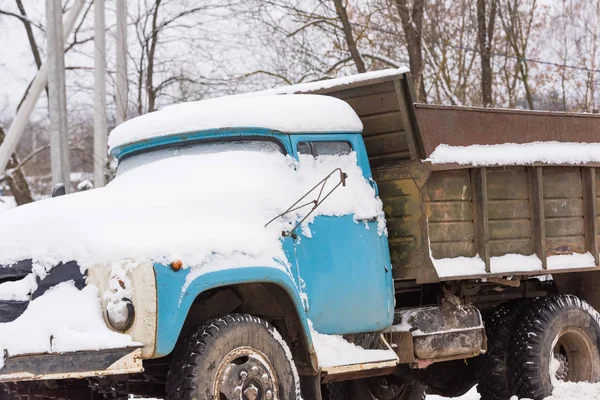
x: 377, y: 388
x: 234, y: 357
x: 493, y: 371
x: 557, y: 339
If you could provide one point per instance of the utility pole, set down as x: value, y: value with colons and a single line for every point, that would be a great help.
x: 37, y: 87
x: 100, y: 134
x: 57, y: 102
x: 121, y: 78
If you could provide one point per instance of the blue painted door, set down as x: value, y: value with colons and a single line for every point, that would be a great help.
x: 345, y: 265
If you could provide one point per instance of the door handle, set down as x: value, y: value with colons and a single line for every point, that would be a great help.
x: 367, y: 219
x: 374, y: 186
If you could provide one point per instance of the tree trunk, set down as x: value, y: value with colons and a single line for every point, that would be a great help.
x: 485, y: 34
x: 16, y: 181
x: 343, y: 16
x: 32, y: 44
x: 150, y: 93
x: 412, y: 24
x: 525, y: 78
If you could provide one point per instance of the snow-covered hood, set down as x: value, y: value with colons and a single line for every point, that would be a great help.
x: 198, y: 208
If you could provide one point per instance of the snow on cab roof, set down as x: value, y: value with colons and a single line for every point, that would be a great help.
x: 291, y: 113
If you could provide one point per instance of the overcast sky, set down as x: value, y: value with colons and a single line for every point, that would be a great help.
x: 17, y: 66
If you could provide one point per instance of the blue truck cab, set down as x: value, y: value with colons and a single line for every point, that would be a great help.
x: 343, y: 255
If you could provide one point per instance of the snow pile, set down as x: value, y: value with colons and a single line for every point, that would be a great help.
x: 517, y: 154
x: 574, y: 260
x: 204, y: 206
x: 297, y: 113
x: 458, y: 266
x: 334, y: 350
x: 63, y: 319
x: 328, y: 83
x: 19, y: 290
x: 509, y: 263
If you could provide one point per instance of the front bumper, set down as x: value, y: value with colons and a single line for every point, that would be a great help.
x: 80, y: 364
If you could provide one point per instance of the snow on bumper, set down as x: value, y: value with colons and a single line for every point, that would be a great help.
x: 73, y: 365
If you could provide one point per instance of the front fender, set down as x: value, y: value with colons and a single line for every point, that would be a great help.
x: 175, y: 298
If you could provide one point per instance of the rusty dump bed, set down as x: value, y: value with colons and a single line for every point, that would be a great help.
x: 450, y: 210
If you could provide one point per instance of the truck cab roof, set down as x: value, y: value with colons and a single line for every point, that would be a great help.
x: 293, y: 114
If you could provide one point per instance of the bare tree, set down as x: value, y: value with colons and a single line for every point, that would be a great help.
x: 412, y: 24
x: 517, y: 18
x: 349, y: 35
x: 486, y: 19
x: 160, y: 24
x: 15, y: 178
x: 14, y: 174
x: 448, y: 33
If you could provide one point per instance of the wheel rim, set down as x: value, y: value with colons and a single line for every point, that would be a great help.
x: 245, y: 374
x: 387, y: 388
x: 572, y: 356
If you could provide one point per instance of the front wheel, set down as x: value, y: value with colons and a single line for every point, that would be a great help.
x: 376, y: 388
x: 237, y: 357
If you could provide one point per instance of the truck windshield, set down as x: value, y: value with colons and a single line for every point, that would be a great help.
x: 129, y: 163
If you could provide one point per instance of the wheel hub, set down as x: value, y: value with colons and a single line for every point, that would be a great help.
x: 245, y: 374
x: 572, y: 356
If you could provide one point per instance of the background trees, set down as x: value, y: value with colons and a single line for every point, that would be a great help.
x: 506, y: 53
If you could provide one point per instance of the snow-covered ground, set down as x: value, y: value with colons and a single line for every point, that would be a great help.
x: 562, y: 391
x: 470, y: 395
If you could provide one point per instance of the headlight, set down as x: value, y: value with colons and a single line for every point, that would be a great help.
x: 120, y: 314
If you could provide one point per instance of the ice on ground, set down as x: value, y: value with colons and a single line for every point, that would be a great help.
x: 327, y: 83
x: 508, y: 263
x: 294, y: 113
x: 334, y: 350
x: 63, y: 319
x: 517, y: 154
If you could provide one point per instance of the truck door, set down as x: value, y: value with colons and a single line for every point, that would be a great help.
x: 344, y: 264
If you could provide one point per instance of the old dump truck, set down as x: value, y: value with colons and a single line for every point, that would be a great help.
x: 486, y: 274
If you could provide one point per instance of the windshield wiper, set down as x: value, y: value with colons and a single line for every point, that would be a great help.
x: 315, y: 203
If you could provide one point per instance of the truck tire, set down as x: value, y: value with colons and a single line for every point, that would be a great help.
x: 563, y: 330
x: 231, y: 356
x: 376, y: 388
x: 493, y: 371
